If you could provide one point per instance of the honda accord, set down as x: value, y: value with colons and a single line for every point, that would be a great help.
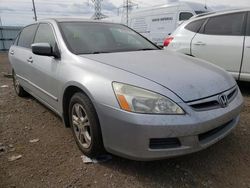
x: 120, y: 93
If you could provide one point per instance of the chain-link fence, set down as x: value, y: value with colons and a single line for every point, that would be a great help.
x: 7, y: 36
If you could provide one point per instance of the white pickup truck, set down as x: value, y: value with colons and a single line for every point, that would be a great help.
x: 220, y: 38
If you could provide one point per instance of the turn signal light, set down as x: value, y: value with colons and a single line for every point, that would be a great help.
x: 123, y: 103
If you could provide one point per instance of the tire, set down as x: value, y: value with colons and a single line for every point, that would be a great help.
x: 85, y: 125
x: 18, y: 88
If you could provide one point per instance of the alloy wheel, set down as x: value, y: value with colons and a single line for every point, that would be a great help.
x: 81, y: 125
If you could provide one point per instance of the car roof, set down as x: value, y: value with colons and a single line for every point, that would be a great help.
x: 211, y: 14
x: 56, y: 20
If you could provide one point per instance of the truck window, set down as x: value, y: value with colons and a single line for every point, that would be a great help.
x: 195, y: 25
x: 185, y: 16
x: 230, y: 25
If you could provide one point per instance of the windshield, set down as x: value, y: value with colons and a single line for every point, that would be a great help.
x: 94, y: 38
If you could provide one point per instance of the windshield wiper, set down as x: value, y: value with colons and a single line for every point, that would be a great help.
x: 99, y: 52
x: 145, y: 49
x: 102, y: 52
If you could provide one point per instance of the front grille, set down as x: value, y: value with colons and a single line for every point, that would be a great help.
x: 213, y: 102
x: 206, y: 105
x: 232, y: 95
x: 164, y: 143
x: 209, y: 134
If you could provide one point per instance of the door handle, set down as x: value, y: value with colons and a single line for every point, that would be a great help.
x: 30, y: 60
x: 12, y: 52
x: 247, y: 46
x: 200, y: 44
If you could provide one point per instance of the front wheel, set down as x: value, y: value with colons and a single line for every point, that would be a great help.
x: 18, y: 88
x: 85, y: 125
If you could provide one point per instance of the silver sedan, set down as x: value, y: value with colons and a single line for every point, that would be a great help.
x: 120, y: 93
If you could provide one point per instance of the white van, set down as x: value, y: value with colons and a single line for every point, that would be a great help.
x: 157, y: 22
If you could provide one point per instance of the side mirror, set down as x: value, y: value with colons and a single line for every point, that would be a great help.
x: 45, y: 49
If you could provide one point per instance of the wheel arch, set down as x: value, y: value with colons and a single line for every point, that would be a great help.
x: 69, y: 90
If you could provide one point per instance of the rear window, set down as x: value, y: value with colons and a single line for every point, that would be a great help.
x: 26, y: 36
x: 231, y: 24
x: 195, y: 25
x: 185, y: 16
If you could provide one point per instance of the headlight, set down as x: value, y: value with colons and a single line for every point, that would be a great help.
x: 134, y: 99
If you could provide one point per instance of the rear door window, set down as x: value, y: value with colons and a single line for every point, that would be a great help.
x: 45, y: 34
x: 185, y: 16
x: 195, y: 25
x: 26, y: 36
x: 16, y: 40
x: 230, y: 25
x: 248, y: 24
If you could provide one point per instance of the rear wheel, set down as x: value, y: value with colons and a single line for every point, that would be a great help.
x: 85, y: 125
x: 18, y: 88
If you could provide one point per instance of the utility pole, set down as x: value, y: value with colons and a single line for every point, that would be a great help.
x: 127, y: 12
x: 98, y: 10
x: 127, y: 7
x: 34, y: 9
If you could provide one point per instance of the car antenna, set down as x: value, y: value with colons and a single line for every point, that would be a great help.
x: 205, y: 4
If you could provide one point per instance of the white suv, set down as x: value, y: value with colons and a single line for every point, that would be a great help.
x: 221, y: 38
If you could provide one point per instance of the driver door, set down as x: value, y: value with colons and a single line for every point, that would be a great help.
x: 45, y: 69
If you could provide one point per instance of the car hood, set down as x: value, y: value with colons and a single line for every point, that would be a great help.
x: 189, y: 78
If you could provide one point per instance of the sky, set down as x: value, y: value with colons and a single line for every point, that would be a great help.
x: 19, y: 12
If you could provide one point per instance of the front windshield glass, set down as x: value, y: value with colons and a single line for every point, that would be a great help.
x: 94, y: 38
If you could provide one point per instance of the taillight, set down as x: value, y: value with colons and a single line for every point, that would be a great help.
x: 167, y: 41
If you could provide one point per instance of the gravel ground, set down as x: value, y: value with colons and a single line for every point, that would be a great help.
x: 55, y: 161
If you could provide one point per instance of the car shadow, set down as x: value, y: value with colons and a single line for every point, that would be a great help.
x: 191, y: 170
x: 45, y: 108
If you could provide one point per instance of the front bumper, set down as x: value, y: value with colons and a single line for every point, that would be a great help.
x: 129, y: 134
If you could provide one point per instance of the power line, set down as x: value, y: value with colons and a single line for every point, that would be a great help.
x: 96, y: 3
x: 142, y: 3
x: 41, y: 2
